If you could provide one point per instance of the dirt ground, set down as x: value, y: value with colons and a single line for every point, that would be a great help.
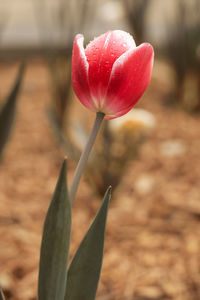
x: 152, y: 246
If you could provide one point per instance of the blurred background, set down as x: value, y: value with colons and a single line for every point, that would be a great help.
x: 151, y: 157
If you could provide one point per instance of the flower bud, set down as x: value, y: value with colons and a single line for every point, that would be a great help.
x: 111, y: 74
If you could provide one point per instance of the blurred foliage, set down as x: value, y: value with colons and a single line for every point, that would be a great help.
x: 114, y: 152
x: 117, y: 147
x: 60, y: 84
x: 181, y: 47
x: 183, y: 51
x: 8, y: 111
x: 66, y: 18
x: 136, y: 14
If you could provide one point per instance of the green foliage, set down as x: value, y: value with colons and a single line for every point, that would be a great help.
x: 60, y: 87
x: 80, y: 281
x: 182, y: 51
x: 85, y: 268
x: 7, y: 113
x: 55, y: 244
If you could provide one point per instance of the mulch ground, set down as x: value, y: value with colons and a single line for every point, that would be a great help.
x: 152, y: 246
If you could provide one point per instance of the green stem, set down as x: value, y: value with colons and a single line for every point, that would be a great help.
x: 84, y: 156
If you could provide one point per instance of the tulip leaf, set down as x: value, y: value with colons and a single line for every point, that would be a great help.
x: 1, y: 295
x: 55, y: 243
x: 7, y: 113
x: 84, y: 271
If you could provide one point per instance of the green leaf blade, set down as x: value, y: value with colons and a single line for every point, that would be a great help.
x: 55, y: 243
x: 84, y: 271
x: 7, y: 113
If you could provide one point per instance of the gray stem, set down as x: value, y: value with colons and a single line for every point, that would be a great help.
x: 84, y: 156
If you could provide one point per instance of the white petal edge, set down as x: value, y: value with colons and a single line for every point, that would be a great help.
x: 79, y: 41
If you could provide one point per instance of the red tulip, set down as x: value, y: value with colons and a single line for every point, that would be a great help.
x: 111, y: 74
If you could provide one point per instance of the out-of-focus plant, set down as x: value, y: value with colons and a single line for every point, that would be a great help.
x: 182, y: 50
x: 136, y: 13
x: 63, y: 20
x: 118, y: 145
x: 60, y: 84
x: 8, y: 111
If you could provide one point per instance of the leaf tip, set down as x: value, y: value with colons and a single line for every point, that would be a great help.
x: 64, y: 165
x: 63, y: 171
x: 109, y: 190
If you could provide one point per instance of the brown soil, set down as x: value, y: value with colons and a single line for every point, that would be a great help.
x: 153, y: 233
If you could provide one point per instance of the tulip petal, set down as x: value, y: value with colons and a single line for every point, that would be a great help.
x: 129, y: 78
x: 101, y: 54
x: 80, y: 73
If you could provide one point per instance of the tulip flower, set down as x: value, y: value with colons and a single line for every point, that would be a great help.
x: 108, y: 77
x: 111, y: 74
